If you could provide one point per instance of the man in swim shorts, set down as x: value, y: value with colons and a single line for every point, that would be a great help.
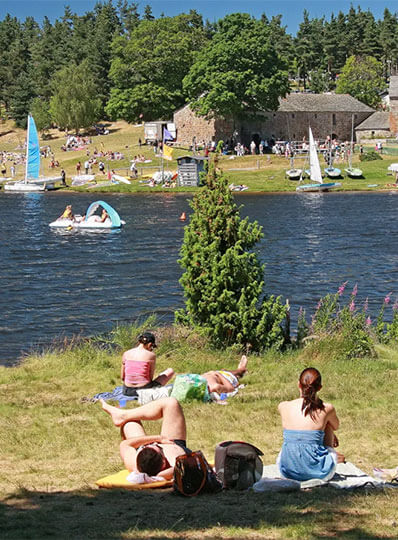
x: 226, y: 381
x: 154, y: 455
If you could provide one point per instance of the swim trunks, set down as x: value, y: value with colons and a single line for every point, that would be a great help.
x: 231, y: 378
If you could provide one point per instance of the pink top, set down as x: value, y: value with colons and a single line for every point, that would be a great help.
x: 137, y: 372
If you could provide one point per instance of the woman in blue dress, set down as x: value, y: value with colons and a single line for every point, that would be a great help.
x: 308, y: 433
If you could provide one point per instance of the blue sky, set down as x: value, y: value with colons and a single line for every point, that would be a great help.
x: 291, y: 10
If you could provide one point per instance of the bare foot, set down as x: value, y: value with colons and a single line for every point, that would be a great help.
x: 116, y: 414
x: 243, y: 363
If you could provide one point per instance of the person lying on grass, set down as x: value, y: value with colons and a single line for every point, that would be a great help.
x: 154, y: 455
x: 308, y: 433
x: 138, y: 367
x: 225, y: 381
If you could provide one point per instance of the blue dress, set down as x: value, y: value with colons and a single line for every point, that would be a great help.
x: 304, y: 456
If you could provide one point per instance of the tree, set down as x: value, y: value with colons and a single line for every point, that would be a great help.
x: 22, y: 95
x: 223, y: 279
x: 148, y: 68
x: 309, y: 46
x: 362, y: 78
x: 41, y: 113
x: 238, y: 71
x: 74, y: 104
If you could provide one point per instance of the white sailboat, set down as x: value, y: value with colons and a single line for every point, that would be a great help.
x: 315, y: 172
x: 32, y: 181
x: 352, y: 172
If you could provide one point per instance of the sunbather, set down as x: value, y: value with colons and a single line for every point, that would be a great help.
x: 138, y: 367
x: 308, y: 433
x: 154, y: 455
x: 225, y: 381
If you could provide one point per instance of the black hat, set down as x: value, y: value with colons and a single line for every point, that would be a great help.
x: 147, y: 337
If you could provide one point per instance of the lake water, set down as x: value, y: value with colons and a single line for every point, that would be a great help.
x: 61, y: 283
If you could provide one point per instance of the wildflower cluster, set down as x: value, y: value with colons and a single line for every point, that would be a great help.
x: 351, y: 323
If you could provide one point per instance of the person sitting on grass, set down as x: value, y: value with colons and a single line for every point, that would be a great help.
x: 308, y: 433
x: 226, y: 381
x: 138, y: 367
x: 154, y: 455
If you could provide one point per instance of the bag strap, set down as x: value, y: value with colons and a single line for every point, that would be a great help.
x: 198, y: 456
x: 225, y: 444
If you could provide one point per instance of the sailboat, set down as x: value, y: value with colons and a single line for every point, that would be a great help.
x: 352, y: 172
x: 315, y: 172
x: 330, y: 171
x: 293, y: 173
x: 32, y: 181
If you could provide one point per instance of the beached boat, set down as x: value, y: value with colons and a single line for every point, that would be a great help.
x: 332, y: 172
x: 315, y: 172
x: 82, y: 179
x: 352, y: 172
x: 91, y: 220
x: 293, y: 173
x: 32, y: 181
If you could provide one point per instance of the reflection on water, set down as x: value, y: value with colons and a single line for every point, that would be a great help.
x: 59, y: 283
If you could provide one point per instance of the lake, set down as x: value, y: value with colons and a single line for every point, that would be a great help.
x: 61, y: 283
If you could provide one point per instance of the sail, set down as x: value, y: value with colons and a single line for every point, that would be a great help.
x: 33, y: 150
x: 315, y: 168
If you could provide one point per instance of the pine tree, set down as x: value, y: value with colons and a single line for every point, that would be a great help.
x: 223, y: 279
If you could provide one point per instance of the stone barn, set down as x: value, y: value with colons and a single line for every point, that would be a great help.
x: 327, y: 114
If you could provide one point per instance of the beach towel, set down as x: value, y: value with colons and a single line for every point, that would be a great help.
x: 143, y: 396
x: 134, y: 481
x: 347, y: 476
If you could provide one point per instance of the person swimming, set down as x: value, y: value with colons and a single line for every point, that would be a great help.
x: 308, y: 433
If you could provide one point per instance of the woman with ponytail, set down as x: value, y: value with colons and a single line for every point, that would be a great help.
x: 308, y: 433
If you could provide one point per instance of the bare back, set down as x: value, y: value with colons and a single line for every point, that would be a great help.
x: 293, y: 417
x: 139, y: 354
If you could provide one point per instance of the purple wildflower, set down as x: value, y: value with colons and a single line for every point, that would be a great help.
x: 368, y: 321
x: 355, y: 290
x: 365, y: 306
x: 395, y: 306
x: 352, y: 306
x: 319, y: 304
x: 341, y: 288
x: 387, y: 299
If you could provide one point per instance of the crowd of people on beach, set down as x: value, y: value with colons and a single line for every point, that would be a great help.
x: 309, y: 424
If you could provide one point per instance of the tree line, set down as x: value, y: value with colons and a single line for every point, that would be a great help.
x: 115, y: 62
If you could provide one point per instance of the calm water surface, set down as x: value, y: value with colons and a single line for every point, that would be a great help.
x: 61, y: 283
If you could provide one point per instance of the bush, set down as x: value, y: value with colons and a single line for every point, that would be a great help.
x: 370, y: 156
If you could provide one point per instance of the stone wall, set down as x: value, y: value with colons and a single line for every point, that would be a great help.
x: 286, y: 126
x: 372, y: 135
x: 188, y: 125
x: 278, y: 125
x: 393, y: 115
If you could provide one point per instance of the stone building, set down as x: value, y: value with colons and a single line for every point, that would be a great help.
x: 327, y: 114
x: 377, y: 126
x: 393, y: 95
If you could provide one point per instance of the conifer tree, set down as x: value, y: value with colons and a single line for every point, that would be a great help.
x: 223, y: 280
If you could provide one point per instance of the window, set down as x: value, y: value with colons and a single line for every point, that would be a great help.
x: 292, y: 115
x: 333, y: 119
x: 316, y: 116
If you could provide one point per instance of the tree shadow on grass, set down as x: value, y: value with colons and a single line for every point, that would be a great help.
x: 162, y: 514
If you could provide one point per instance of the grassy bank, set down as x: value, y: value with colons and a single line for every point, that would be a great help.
x: 259, y: 173
x: 54, y: 447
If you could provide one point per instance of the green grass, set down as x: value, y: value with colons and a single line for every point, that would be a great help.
x: 54, y: 447
x: 259, y: 173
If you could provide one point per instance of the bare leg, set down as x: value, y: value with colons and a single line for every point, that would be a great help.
x: 242, y: 367
x: 165, y: 376
x: 173, y: 426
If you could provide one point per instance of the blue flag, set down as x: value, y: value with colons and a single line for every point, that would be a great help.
x: 167, y: 136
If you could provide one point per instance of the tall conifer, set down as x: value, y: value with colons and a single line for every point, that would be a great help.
x: 223, y: 280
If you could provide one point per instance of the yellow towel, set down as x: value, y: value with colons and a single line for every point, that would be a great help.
x: 119, y: 480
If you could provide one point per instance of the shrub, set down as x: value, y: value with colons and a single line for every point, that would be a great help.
x: 370, y: 156
x: 223, y: 280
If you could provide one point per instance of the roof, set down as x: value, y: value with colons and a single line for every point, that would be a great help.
x: 196, y: 158
x: 377, y: 120
x: 303, y: 102
x: 393, y: 88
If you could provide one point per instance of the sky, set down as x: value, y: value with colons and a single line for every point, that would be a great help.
x: 291, y: 10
